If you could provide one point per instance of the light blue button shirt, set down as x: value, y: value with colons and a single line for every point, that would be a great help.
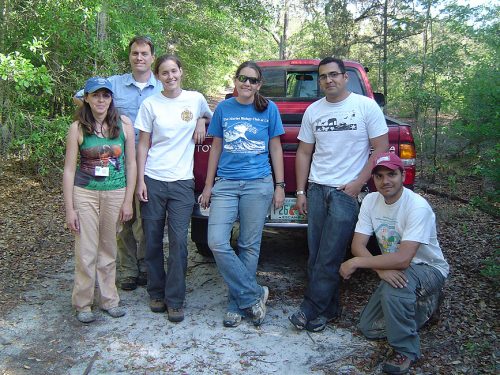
x: 128, y: 97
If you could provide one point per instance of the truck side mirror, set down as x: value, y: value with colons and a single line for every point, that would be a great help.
x: 379, y: 98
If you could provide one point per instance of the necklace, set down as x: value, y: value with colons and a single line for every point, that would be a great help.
x: 101, y: 128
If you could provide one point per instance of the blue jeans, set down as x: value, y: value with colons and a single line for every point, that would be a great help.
x: 249, y: 200
x: 331, y: 217
x: 176, y: 198
x: 398, y: 313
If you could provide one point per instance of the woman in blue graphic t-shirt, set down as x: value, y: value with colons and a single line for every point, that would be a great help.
x: 246, y: 129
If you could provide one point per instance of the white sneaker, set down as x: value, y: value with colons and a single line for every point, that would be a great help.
x: 116, y: 312
x: 231, y: 319
x: 259, y: 309
x: 85, y: 316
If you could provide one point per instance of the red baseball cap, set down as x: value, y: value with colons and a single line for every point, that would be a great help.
x: 388, y: 160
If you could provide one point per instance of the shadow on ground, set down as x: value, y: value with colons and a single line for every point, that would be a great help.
x: 42, y: 336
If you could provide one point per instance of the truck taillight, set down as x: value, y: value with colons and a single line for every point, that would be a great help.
x: 407, y: 153
x: 408, y: 156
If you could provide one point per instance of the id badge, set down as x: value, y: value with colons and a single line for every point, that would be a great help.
x: 102, y: 171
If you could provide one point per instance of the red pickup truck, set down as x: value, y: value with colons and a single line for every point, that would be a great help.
x: 293, y: 86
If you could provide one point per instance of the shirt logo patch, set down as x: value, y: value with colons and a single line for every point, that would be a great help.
x: 345, y: 120
x: 187, y: 115
x: 383, y: 158
x: 236, y: 139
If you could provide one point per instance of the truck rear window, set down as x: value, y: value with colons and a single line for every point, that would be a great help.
x: 295, y: 84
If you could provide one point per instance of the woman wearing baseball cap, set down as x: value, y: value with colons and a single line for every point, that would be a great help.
x: 98, y: 186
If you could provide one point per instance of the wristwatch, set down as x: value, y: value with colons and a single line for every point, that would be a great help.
x: 280, y: 184
x: 300, y: 192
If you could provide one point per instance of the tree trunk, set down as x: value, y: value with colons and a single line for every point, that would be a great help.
x: 424, y: 60
x: 100, y: 35
x: 283, y: 36
x: 3, y: 24
x: 419, y: 117
x: 3, y: 31
x: 285, y: 32
x: 437, y: 101
x: 384, y: 49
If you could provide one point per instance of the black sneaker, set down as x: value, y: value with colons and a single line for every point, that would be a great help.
x: 397, y: 364
x: 128, y: 284
x: 298, y: 319
x: 317, y: 325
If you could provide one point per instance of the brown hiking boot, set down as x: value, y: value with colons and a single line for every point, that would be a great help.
x: 129, y: 283
x: 175, y: 315
x: 157, y: 305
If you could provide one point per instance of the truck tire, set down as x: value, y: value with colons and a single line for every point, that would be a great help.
x: 199, y: 229
x: 204, y: 250
x: 199, y: 235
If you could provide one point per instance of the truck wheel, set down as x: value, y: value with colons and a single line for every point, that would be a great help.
x: 204, y: 250
x: 235, y: 233
x: 199, y: 235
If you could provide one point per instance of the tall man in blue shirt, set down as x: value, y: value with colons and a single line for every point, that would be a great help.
x: 129, y: 91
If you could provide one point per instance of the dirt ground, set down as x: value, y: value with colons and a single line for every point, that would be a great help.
x: 39, y: 333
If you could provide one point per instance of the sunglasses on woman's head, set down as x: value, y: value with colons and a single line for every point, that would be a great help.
x: 242, y: 78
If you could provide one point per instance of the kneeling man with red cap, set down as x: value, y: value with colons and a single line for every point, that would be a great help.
x: 411, y: 267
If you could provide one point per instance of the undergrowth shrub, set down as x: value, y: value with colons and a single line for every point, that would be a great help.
x: 42, y: 149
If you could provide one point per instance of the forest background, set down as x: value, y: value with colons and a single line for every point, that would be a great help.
x: 436, y: 61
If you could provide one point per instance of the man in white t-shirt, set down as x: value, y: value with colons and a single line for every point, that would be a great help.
x: 336, y: 135
x: 412, y: 266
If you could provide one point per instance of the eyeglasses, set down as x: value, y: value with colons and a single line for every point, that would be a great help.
x: 331, y: 75
x: 242, y: 78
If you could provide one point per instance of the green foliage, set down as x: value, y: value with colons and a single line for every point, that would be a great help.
x: 42, y: 149
x: 492, y: 267
x: 478, y: 125
x: 312, y: 41
x: 49, y: 48
x: 480, y: 115
x: 15, y: 68
x: 488, y: 203
x: 54, y: 46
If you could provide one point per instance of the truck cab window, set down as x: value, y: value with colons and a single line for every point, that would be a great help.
x: 273, y: 85
x: 302, y: 85
x: 354, y: 82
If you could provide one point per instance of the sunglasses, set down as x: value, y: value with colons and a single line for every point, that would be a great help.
x: 242, y: 78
